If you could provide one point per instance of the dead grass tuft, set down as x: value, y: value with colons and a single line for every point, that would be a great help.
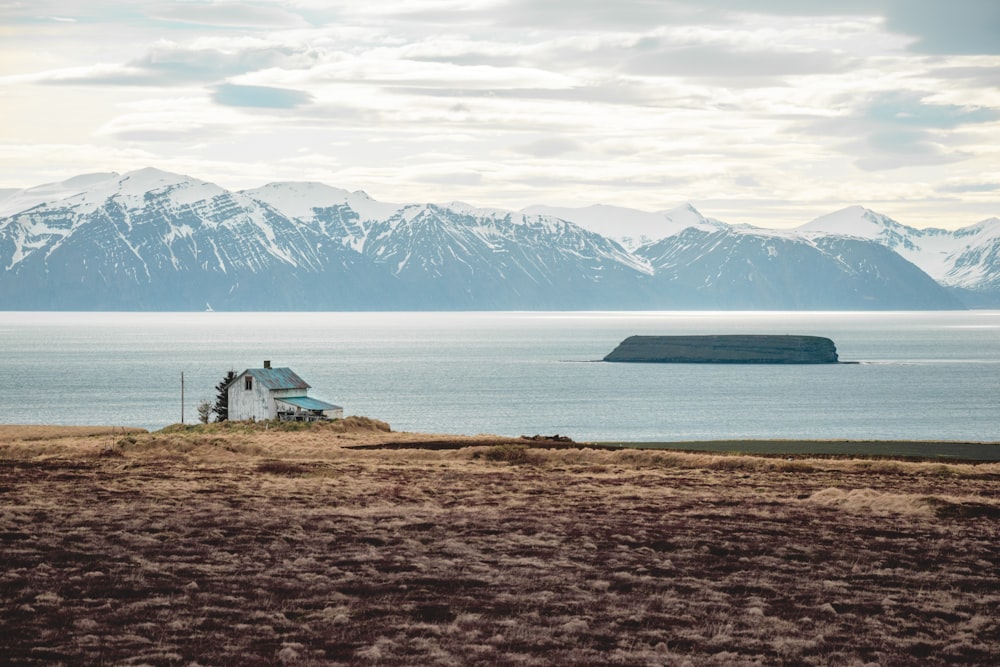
x: 247, y: 546
x: 513, y: 454
x: 868, y: 500
x: 30, y: 433
x: 871, y: 501
x: 278, y: 467
x: 945, y: 509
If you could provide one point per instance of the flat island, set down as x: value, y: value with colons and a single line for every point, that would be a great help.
x: 726, y: 349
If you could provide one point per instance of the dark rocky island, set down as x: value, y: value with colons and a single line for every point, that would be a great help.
x: 726, y: 349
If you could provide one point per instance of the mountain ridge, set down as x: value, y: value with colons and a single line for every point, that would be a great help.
x: 150, y: 240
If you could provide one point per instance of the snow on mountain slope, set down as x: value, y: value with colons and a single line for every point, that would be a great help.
x: 16, y: 201
x: 430, y: 241
x: 629, y: 227
x: 342, y: 216
x: 149, y: 239
x: 301, y: 199
x: 976, y: 264
x: 157, y: 218
x: 965, y: 257
x: 85, y: 194
x: 729, y: 267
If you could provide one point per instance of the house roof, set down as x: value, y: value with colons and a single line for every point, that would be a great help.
x: 308, y: 403
x: 276, y: 378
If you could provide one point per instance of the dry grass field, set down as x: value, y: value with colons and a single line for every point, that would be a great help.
x: 257, y: 545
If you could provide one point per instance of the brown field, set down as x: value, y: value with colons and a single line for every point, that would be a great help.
x: 261, y: 545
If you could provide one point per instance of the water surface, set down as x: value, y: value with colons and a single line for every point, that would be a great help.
x: 923, y: 376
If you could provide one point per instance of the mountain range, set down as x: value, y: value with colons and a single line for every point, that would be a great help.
x: 154, y: 240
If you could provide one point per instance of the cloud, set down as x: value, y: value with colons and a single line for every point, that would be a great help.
x: 631, y: 15
x: 168, y: 64
x: 730, y: 63
x: 899, y: 129
x: 962, y: 188
x: 452, y: 178
x: 952, y: 27
x: 893, y: 148
x: 184, y: 120
x: 573, y: 100
x: 262, y: 97
x: 228, y: 15
x: 549, y: 147
x: 908, y: 109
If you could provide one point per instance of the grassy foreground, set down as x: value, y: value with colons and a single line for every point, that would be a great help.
x: 236, y: 545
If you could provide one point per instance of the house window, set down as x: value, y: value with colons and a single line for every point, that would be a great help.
x: 248, y: 382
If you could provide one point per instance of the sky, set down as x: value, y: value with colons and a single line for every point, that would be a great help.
x: 767, y: 112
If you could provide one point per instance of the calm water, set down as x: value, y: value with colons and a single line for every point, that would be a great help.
x: 924, y: 376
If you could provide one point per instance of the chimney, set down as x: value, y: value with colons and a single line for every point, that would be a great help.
x: 267, y: 363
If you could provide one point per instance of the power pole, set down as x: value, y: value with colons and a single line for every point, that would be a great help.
x: 182, y: 397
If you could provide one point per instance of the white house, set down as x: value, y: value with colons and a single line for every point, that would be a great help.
x: 276, y: 393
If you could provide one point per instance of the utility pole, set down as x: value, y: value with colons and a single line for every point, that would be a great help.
x: 182, y: 397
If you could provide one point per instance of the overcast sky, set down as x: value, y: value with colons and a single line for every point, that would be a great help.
x: 770, y: 112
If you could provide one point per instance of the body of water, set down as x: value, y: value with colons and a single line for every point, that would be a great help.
x: 922, y: 376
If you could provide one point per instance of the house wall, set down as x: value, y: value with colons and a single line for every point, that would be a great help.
x: 248, y: 404
x: 257, y: 403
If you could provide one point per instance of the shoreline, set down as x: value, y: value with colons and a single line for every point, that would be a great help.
x: 943, y: 450
x: 361, y: 434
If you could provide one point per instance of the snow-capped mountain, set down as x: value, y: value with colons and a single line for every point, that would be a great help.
x: 160, y: 241
x: 967, y: 258
x: 629, y: 227
x: 730, y: 266
x: 152, y: 240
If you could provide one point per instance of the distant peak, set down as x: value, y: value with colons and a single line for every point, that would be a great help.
x: 87, y: 179
x: 147, y: 173
x: 151, y: 177
x: 683, y: 209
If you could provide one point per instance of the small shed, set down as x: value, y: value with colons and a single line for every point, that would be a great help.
x: 276, y: 393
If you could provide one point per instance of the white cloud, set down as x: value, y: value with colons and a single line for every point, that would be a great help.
x: 227, y: 14
x: 514, y: 102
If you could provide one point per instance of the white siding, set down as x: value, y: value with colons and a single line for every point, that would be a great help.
x: 249, y: 403
x: 258, y: 402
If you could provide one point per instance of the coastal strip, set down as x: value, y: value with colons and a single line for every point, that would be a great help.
x: 901, y: 449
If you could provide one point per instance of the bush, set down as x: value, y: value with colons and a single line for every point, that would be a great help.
x: 510, y: 454
x: 278, y: 467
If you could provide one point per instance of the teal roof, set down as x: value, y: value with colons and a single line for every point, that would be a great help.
x: 277, y: 378
x: 307, y: 403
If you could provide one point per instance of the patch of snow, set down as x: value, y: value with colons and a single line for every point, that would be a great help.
x: 183, y: 190
x: 18, y: 201
x: 851, y: 221
x: 935, y: 251
x: 629, y: 227
x: 177, y: 232
x: 298, y: 199
x: 478, y: 212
